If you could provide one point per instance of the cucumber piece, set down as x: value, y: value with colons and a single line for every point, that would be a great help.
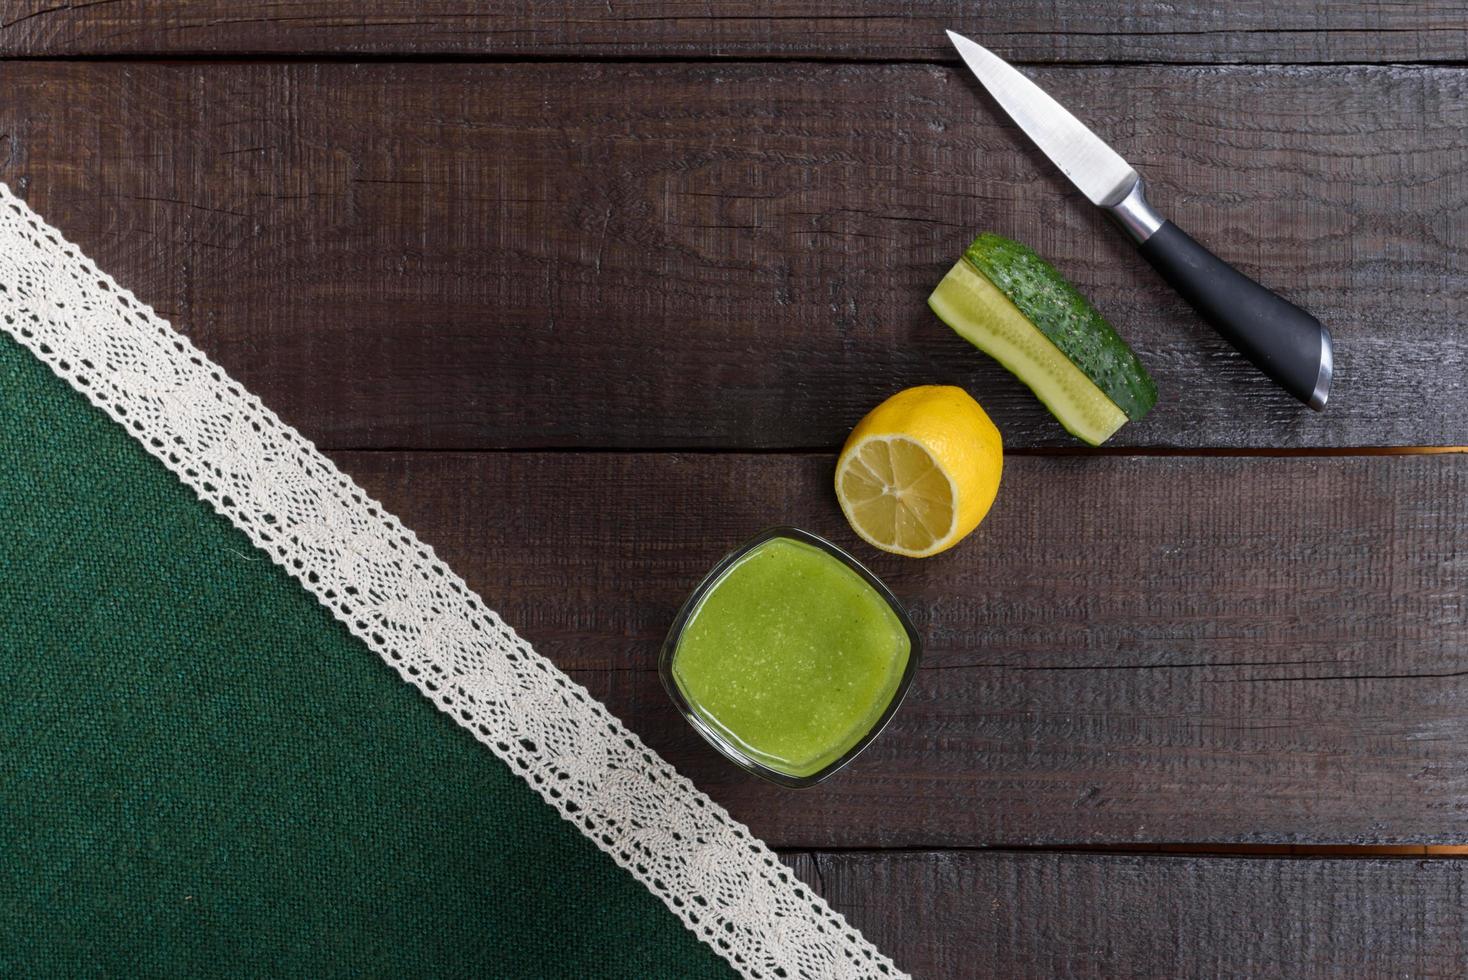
x: 1014, y: 306
x: 1062, y: 314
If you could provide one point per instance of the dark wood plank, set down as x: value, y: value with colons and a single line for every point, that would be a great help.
x: 1069, y: 30
x: 460, y: 256
x: 1129, y: 650
x: 971, y: 914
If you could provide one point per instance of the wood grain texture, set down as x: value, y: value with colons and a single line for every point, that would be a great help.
x: 1129, y: 650
x: 529, y: 256
x: 1068, y: 30
x: 970, y: 915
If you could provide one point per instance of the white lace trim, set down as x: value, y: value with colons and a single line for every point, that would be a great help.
x: 393, y: 592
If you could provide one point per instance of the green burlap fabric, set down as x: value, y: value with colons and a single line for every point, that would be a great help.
x: 203, y: 774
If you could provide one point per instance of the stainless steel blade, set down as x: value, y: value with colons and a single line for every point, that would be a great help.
x: 1098, y: 170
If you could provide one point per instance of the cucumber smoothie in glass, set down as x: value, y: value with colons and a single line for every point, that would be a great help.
x: 790, y: 656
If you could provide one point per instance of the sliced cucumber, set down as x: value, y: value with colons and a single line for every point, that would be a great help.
x: 1014, y: 306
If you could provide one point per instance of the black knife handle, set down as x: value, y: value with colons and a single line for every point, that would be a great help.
x: 1282, y: 340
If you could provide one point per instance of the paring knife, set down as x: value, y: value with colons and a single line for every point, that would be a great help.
x: 1282, y: 340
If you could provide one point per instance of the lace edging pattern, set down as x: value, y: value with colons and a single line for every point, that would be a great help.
x: 393, y: 592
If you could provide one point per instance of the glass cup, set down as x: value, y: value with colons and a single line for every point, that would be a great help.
x: 727, y: 747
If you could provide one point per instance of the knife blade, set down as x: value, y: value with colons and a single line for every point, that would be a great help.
x: 1282, y: 340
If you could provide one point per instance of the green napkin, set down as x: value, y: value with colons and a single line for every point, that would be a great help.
x: 203, y: 773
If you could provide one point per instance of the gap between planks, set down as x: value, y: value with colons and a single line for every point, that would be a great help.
x: 1452, y: 851
x: 1029, y: 451
x: 770, y: 57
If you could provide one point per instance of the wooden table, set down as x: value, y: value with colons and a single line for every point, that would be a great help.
x: 588, y: 292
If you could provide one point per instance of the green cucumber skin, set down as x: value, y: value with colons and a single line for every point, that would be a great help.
x: 1067, y: 319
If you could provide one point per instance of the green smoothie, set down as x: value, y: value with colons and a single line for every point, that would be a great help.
x: 791, y: 656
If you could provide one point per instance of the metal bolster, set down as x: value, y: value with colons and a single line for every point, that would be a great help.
x: 1135, y: 215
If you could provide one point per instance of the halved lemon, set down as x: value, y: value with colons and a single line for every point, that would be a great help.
x: 920, y: 471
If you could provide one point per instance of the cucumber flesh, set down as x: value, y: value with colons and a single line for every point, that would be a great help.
x: 980, y: 313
